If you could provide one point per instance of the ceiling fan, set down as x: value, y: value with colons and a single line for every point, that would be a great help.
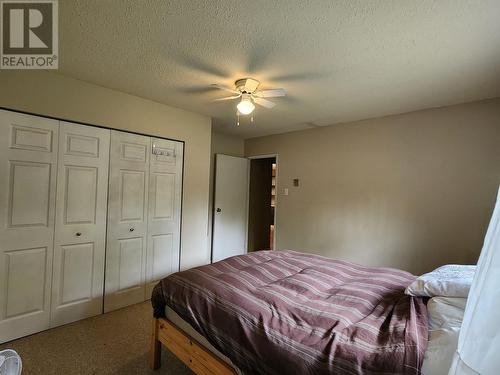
x: 247, y: 90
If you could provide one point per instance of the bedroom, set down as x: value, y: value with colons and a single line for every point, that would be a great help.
x: 386, y: 142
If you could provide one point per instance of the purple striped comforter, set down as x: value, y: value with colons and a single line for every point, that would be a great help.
x: 284, y: 312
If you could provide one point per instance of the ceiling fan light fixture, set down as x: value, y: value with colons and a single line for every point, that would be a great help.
x: 248, y: 90
x: 245, y: 107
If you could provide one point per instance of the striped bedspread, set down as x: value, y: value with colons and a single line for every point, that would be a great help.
x: 284, y: 312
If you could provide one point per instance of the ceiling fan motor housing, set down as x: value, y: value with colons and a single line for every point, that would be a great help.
x: 241, y: 83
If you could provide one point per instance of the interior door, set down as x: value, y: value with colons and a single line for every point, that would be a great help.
x: 230, y: 207
x: 28, y: 159
x: 80, y: 233
x: 127, y: 220
x: 164, y: 216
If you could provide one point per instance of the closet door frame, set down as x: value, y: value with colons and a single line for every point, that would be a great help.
x: 125, y: 131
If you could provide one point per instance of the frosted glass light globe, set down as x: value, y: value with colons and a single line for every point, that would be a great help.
x: 245, y: 107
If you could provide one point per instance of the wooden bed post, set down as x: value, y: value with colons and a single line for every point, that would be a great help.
x: 155, y: 354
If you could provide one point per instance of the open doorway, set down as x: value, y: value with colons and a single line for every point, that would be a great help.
x: 262, y: 203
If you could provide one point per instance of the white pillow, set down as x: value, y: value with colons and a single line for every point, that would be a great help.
x: 452, y: 280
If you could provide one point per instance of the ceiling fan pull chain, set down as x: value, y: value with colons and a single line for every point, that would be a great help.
x: 238, y: 115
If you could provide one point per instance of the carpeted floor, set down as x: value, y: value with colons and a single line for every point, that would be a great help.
x: 113, y: 343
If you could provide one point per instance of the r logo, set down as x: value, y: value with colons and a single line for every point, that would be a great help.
x: 29, y: 34
x: 27, y: 28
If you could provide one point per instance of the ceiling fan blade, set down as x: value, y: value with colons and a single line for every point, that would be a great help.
x: 264, y: 102
x: 220, y: 87
x: 271, y: 93
x: 251, y: 85
x: 227, y: 98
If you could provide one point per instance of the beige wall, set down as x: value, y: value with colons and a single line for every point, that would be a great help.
x: 227, y: 144
x: 412, y: 191
x: 54, y: 95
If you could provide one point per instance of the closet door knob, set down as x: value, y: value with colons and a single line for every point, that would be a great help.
x: 78, y: 234
x: 131, y: 229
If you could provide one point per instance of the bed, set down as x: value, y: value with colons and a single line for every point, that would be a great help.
x: 287, y: 312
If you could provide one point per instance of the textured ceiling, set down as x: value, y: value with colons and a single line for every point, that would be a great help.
x: 338, y: 60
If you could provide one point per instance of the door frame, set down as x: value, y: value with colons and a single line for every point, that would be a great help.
x: 268, y: 156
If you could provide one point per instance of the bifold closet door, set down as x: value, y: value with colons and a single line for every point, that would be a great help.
x: 143, y: 217
x: 80, y: 232
x: 164, y: 222
x: 28, y: 158
x: 127, y: 220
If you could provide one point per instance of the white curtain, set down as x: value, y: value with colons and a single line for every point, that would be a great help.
x: 478, y: 349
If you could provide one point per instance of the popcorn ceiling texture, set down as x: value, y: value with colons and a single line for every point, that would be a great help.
x: 339, y: 61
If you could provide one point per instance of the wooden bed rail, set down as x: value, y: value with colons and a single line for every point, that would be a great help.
x: 199, y: 359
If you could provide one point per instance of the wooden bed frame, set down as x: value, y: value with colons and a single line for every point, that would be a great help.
x: 199, y: 359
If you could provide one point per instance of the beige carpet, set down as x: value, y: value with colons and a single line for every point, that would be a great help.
x: 113, y: 343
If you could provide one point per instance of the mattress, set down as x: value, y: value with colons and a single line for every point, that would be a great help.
x: 445, y: 320
x: 445, y: 312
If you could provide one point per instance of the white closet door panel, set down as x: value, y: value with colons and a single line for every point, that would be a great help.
x: 165, y: 195
x: 165, y: 260
x: 80, y: 235
x: 130, y: 273
x: 28, y: 157
x: 127, y: 220
x: 29, y: 206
